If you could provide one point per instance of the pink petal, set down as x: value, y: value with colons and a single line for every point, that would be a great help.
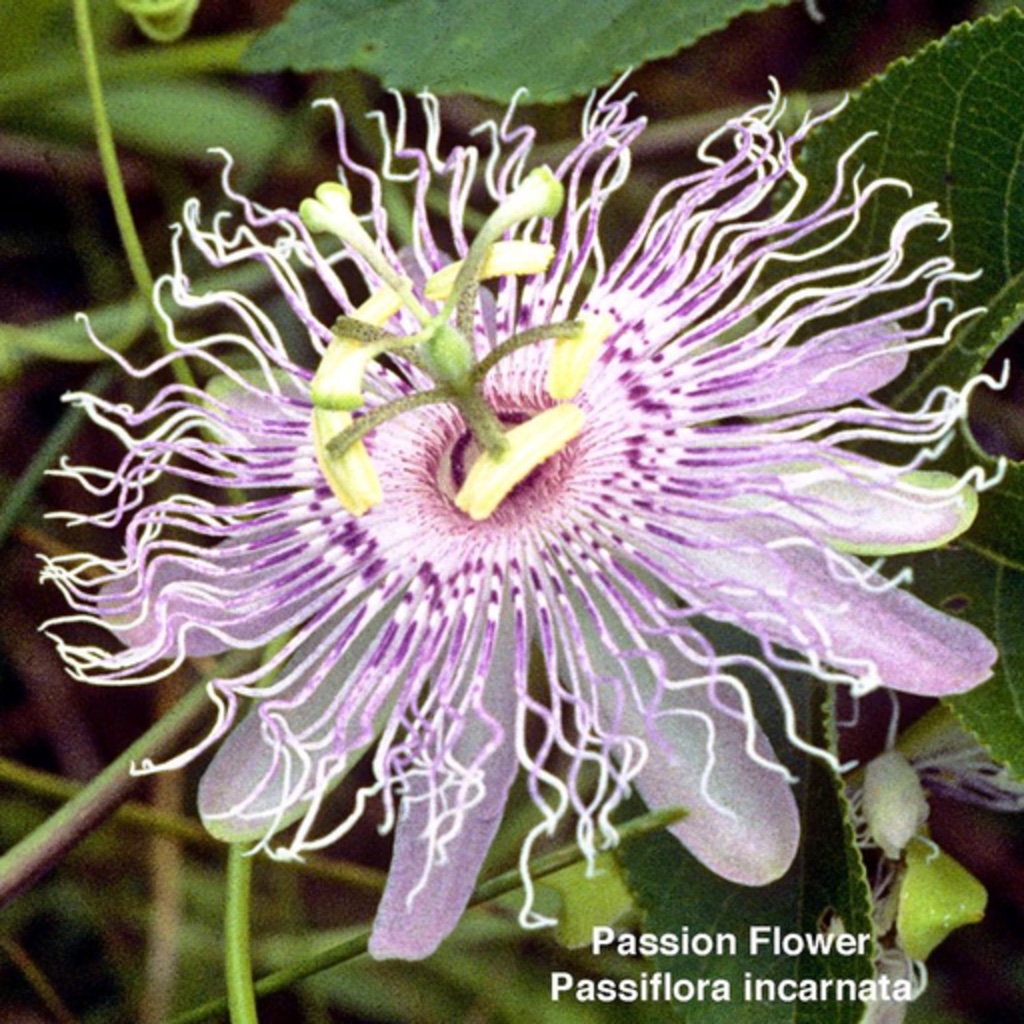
x: 414, y: 918
x: 867, y: 512
x: 750, y: 834
x: 825, y: 372
x: 705, y: 754
x: 883, y: 635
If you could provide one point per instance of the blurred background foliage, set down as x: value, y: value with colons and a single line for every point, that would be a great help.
x: 128, y: 926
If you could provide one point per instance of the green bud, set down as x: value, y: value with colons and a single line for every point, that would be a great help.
x: 938, y: 895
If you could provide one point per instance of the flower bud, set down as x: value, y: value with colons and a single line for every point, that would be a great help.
x: 895, y: 804
x: 448, y: 355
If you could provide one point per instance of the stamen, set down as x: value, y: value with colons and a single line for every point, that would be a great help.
x: 443, y: 350
x: 338, y: 384
x: 558, y: 329
x: 331, y: 212
x: 349, y: 473
x: 492, y: 477
x: 573, y: 356
x: 540, y: 194
x: 351, y: 431
x: 380, y: 307
x: 506, y: 257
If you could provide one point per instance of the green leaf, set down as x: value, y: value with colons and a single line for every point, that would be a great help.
x: 991, y: 596
x: 950, y: 122
x: 177, y: 119
x: 65, y: 339
x: 999, y: 532
x: 555, y: 50
x: 588, y: 901
x: 825, y: 891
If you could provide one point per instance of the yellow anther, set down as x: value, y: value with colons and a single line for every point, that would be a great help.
x: 351, y: 475
x: 509, y: 257
x: 338, y: 383
x: 380, y: 307
x: 492, y: 477
x: 572, y: 357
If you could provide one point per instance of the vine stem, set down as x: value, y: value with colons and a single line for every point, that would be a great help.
x: 140, y: 271
x: 42, y: 849
x: 500, y: 885
x: 144, y: 818
x: 21, y: 491
x: 237, y: 954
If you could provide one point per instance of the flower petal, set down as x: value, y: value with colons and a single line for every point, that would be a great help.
x: 300, y: 741
x: 243, y: 791
x: 851, y: 511
x: 829, y: 370
x: 428, y: 888
x: 854, y: 619
x: 182, y: 603
x: 751, y: 832
x: 705, y: 752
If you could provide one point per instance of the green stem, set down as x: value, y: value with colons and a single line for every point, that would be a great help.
x: 63, y: 339
x: 108, y: 152
x: 500, y: 885
x: 561, y: 329
x: 237, y: 957
x: 482, y: 422
x: 141, y: 273
x: 340, y: 443
x: 21, y: 866
x: 143, y: 817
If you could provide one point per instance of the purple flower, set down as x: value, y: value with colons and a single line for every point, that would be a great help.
x: 497, y: 550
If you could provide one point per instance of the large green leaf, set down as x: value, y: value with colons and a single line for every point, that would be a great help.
x: 554, y: 48
x: 179, y: 119
x: 992, y: 597
x: 950, y: 121
x: 825, y: 890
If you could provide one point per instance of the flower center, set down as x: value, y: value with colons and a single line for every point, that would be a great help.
x: 466, y: 451
x: 460, y: 468
x: 501, y: 453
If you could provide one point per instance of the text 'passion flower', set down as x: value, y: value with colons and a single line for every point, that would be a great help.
x: 486, y: 514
